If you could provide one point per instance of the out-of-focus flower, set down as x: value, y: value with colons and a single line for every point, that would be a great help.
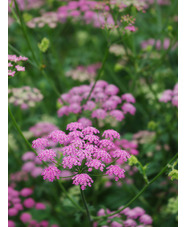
x: 13, y: 66
x: 83, y: 73
x: 170, y: 95
x: 103, y: 104
x: 25, y: 97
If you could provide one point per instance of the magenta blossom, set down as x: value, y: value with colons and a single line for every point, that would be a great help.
x: 83, y: 151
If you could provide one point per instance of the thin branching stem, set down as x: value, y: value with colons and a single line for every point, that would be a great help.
x: 86, y: 206
x: 140, y: 192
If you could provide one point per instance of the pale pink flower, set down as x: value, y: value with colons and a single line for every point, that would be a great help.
x: 20, y: 68
x: 128, y: 108
x: 99, y: 113
x: 128, y: 97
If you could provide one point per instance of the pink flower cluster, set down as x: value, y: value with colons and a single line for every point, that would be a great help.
x: 83, y: 151
x: 158, y: 44
x: 25, y: 97
x: 18, y: 204
x: 85, y: 122
x: 92, y: 12
x: 170, y: 95
x: 42, y: 129
x: 12, y: 64
x: 32, y: 164
x: 47, y: 18
x: 83, y: 73
x: 130, y: 171
x: 27, y: 4
x: 127, y: 145
x: 143, y: 137
x: 135, y: 217
x: 102, y: 104
x: 123, y: 145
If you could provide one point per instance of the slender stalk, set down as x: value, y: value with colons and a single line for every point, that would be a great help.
x: 19, y: 130
x: 86, y: 207
x: 140, y: 192
x: 144, y: 174
x: 39, y: 66
x: 99, y: 74
x: 19, y: 53
x: 25, y: 32
x: 70, y: 198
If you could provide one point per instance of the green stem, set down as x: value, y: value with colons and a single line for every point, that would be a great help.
x: 30, y: 147
x: 25, y: 32
x: 99, y: 74
x: 19, y: 53
x: 70, y: 198
x: 141, y: 191
x: 86, y: 207
x: 144, y: 174
x: 19, y: 130
x: 23, y: 27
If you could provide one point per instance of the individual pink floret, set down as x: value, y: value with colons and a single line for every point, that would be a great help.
x: 41, y: 143
x: 116, y: 171
x: 25, y: 217
x: 117, y: 114
x: 28, y: 156
x: 110, y: 105
x: 11, y: 223
x: 106, y: 144
x: 128, y: 108
x: 95, y: 163
x: 99, y: 113
x: 47, y: 155
x: 40, y: 206
x: 121, y: 154
x: 128, y: 97
x: 90, y: 105
x: 111, y: 134
x: 90, y: 130
x: 130, y: 223
x: 20, y: 68
x: 11, y: 73
x: 58, y: 136
x: 13, y: 211
x: 26, y: 192
x: 70, y: 162
x: 82, y: 179
x: 29, y: 203
x: 145, y: 219
x: 111, y: 89
x: 73, y: 126
x: 85, y: 122
x: 63, y: 111
x: 50, y: 173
